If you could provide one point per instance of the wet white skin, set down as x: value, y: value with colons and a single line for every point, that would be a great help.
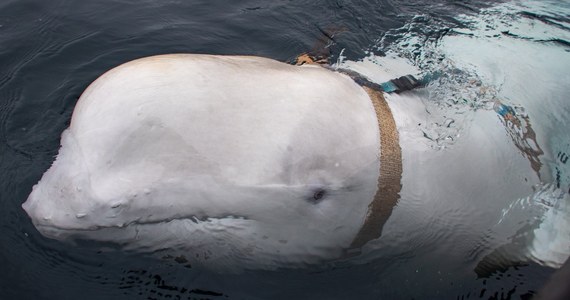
x: 245, y: 162
x: 235, y: 160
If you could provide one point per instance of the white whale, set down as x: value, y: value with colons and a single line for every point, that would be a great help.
x: 246, y: 161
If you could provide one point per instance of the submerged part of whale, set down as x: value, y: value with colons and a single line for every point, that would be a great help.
x: 545, y: 241
x: 230, y: 159
x: 491, y: 175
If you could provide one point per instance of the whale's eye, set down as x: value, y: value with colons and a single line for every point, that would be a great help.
x: 319, y: 194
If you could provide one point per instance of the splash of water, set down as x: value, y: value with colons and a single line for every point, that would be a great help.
x: 458, y: 89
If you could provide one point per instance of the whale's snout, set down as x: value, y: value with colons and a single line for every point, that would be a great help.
x: 45, y: 223
x: 31, y: 207
x: 61, y: 200
x: 47, y: 208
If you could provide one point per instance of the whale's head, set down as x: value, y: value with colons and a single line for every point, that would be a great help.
x: 262, y: 177
x: 309, y: 209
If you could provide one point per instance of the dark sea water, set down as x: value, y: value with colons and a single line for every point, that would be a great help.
x: 50, y: 51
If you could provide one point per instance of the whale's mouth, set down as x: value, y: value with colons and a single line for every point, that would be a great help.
x: 191, y: 218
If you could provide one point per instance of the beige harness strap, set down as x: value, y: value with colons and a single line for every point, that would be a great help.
x: 389, y: 182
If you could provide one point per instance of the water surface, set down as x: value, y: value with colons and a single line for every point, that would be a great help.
x: 51, y: 50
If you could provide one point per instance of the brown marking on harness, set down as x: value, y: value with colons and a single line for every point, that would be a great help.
x: 307, y: 58
x: 389, y: 181
x: 320, y: 52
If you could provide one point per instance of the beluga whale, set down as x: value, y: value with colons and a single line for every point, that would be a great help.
x: 247, y: 162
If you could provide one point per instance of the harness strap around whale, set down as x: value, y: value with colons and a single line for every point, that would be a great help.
x: 389, y: 181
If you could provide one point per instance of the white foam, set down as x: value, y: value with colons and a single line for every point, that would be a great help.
x: 380, y: 69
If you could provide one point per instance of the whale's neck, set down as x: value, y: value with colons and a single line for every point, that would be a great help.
x: 389, y: 181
